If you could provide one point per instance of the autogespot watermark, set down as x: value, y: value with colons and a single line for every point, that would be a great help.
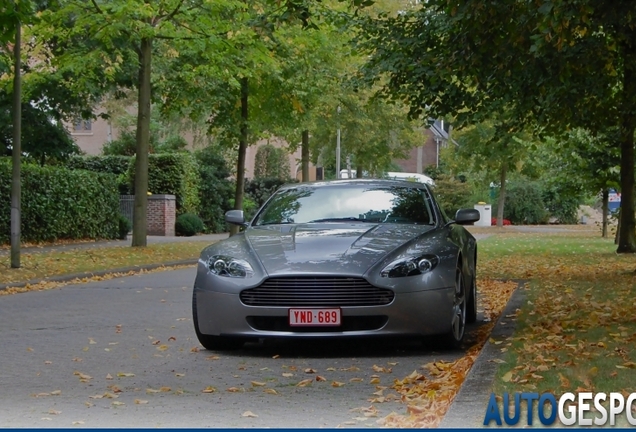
x: 580, y: 409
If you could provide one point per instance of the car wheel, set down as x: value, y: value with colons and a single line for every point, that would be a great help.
x: 471, y: 308
x: 458, y: 322
x: 210, y: 342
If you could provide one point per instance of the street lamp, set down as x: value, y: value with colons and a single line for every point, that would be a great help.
x: 338, y: 146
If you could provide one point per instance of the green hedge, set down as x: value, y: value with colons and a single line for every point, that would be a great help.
x: 117, y: 165
x: 59, y: 203
x: 175, y: 174
x: 215, y: 190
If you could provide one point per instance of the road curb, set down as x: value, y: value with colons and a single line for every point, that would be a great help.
x: 469, y: 406
x: 70, y: 277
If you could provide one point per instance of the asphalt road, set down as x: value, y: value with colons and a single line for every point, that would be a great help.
x: 123, y: 353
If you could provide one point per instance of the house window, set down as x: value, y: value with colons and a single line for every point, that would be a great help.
x: 82, y: 126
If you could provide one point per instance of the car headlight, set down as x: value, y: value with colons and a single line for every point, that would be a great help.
x: 229, y: 267
x: 410, y: 266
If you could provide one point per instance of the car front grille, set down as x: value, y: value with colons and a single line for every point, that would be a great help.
x: 316, y: 292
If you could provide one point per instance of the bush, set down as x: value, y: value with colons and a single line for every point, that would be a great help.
x: 188, y: 224
x: 58, y: 203
x: 215, y: 190
x: 561, y: 203
x: 174, y: 174
x: 124, y: 227
x: 271, y: 162
x: 524, y: 204
x: 260, y: 189
x: 452, y: 194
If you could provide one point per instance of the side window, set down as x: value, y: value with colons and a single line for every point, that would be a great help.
x: 430, y: 205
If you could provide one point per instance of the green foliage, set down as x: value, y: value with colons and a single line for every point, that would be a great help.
x: 117, y: 165
x: 561, y: 204
x: 59, y: 203
x: 271, y: 162
x: 524, y: 204
x: 125, y: 145
x: 188, y: 224
x: 249, y: 207
x: 175, y: 174
x: 124, y: 226
x: 42, y: 138
x: 260, y: 189
x: 215, y: 190
x: 452, y: 194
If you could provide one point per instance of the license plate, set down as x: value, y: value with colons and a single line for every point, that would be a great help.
x: 314, y: 317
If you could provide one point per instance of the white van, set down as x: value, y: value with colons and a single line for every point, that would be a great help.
x: 414, y: 177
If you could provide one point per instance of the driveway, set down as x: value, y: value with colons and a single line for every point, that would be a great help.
x: 122, y: 353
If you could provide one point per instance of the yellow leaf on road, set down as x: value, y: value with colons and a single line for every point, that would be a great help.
x: 337, y: 384
x: 304, y: 383
x: 249, y: 414
x: 125, y: 374
x: 208, y: 389
x: 258, y: 384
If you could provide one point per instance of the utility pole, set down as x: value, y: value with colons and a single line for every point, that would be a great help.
x: 16, y: 189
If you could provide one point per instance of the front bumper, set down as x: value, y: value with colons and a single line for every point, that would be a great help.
x: 417, y: 313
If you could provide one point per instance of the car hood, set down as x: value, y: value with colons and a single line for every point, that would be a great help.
x: 347, y: 249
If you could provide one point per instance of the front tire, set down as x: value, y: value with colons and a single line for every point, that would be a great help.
x: 455, y: 337
x: 471, y: 309
x: 209, y: 342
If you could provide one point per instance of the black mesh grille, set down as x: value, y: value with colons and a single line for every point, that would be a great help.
x: 316, y: 291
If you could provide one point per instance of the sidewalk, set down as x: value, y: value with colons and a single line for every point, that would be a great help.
x: 114, y: 243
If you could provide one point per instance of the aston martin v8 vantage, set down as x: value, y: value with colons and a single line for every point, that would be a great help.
x: 343, y: 258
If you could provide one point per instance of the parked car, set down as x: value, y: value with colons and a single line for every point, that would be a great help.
x: 337, y: 259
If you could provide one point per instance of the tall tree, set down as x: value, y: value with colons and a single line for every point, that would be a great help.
x: 114, y: 41
x: 554, y: 65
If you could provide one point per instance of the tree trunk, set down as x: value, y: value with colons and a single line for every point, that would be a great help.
x: 143, y: 144
x: 502, y: 194
x: 359, y: 171
x: 627, y: 233
x: 605, y: 211
x: 16, y: 189
x: 240, y: 166
x: 304, y: 155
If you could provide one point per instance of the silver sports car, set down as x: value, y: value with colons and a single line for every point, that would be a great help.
x: 339, y: 259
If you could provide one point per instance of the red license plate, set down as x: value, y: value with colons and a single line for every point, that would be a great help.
x: 314, y: 317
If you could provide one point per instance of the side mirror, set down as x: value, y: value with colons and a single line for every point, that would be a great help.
x: 235, y: 217
x: 466, y: 216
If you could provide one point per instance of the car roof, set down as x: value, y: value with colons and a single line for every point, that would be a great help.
x: 359, y: 182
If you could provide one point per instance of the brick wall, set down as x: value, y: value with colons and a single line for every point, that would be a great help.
x: 161, y: 215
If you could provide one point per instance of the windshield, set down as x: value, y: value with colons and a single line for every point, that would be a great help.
x: 346, y: 203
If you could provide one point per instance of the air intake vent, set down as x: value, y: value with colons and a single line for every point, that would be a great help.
x: 316, y: 292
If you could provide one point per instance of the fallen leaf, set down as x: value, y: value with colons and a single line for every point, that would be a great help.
x: 276, y: 356
x: 91, y: 341
x: 248, y: 414
x: 56, y: 392
x: 233, y: 389
x: 195, y: 349
x: 179, y: 375
x: 320, y: 378
x: 54, y: 412
x: 163, y: 347
x: 356, y: 380
x: 172, y: 338
x: 287, y: 374
x: 125, y: 374
x: 208, y: 389
x: 109, y: 377
x: 337, y: 384
x: 304, y: 383
x: 507, y: 376
x: 375, y: 381
x: 310, y: 371
x: 258, y: 384
x: 117, y: 403
x: 140, y: 401
x: 79, y: 422
x: 270, y: 391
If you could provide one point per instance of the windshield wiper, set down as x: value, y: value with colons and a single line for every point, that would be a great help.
x: 343, y: 219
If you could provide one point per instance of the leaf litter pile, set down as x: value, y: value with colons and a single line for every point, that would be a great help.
x: 576, y: 330
x: 429, y: 393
